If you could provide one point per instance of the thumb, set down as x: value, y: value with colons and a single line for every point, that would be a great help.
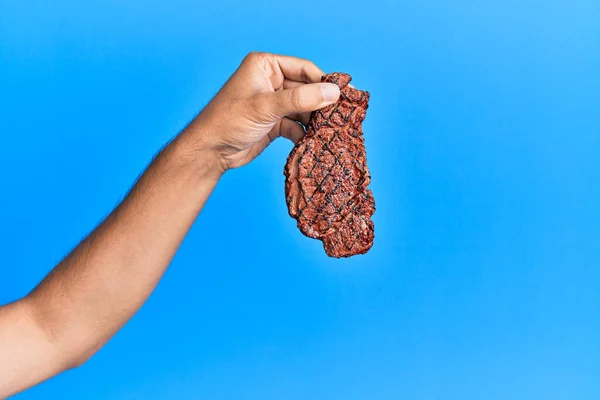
x: 303, y: 98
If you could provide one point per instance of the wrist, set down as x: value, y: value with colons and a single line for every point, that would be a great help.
x: 195, y: 153
x: 196, y: 138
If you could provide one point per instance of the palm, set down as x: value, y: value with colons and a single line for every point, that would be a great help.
x: 256, y: 136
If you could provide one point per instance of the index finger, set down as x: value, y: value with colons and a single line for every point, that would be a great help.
x: 298, y: 69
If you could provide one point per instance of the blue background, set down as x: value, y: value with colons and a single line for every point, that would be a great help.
x: 483, y: 139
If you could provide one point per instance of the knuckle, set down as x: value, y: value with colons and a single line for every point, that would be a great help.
x: 307, y: 68
x: 320, y: 96
x: 298, y: 100
x: 253, y: 56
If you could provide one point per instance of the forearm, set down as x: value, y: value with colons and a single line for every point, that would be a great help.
x: 101, y: 284
x: 104, y: 281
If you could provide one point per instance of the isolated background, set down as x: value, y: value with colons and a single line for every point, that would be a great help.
x: 483, y: 140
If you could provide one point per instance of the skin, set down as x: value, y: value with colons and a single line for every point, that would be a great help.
x: 98, y: 287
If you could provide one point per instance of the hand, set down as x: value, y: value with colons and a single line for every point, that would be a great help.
x: 267, y: 97
x: 94, y: 291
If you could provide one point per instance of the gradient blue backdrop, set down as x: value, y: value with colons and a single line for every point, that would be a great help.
x: 483, y: 138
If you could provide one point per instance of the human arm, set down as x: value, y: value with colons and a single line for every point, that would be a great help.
x: 98, y: 287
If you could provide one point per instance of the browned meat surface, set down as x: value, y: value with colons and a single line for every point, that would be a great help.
x: 327, y: 175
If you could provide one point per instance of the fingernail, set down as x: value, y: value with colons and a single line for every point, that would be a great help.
x: 330, y: 91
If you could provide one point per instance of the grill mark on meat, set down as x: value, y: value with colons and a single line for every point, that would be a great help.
x: 327, y: 175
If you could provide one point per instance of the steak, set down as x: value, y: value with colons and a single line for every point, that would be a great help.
x: 327, y: 175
